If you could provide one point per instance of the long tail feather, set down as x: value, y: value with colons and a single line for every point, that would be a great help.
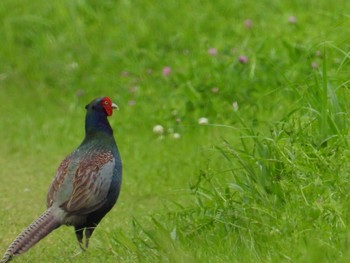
x: 37, y: 230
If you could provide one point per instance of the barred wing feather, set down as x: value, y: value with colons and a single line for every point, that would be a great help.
x: 91, y: 182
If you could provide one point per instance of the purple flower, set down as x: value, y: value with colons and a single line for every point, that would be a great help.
x: 292, y: 19
x: 166, y: 71
x: 133, y: 89
x: 314, y: 65
x: 212, y: 51
x: 124, y: 73
x: 214, y: 89
x: 80, y: 93
x: 243, y: 59
x: 131, y: 103
x: 248, y: 23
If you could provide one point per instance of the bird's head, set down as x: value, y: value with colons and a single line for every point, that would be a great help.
x: 102, y: 105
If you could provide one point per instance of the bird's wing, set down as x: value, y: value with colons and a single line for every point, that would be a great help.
x: 87, y: 189
x: 58, y: 180
x: 91, y: 183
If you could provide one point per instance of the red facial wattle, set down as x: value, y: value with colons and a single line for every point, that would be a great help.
x: 108, y: 105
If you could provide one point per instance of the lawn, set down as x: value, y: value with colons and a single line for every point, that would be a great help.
x: 253, y: 161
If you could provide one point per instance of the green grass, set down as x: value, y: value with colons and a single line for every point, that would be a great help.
x: 268, y: 182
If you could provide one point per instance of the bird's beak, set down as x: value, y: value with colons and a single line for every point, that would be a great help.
x: 115, y: 106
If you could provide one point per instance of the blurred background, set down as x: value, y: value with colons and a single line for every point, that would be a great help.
x: 233, y: 125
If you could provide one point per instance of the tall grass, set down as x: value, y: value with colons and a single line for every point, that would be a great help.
x: 285, y: 199
x: 266, y: 180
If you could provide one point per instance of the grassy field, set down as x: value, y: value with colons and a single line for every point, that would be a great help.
x: 264, y: 178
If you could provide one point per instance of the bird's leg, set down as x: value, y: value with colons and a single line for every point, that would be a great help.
x: 88, y: 233
x: 79, y: 234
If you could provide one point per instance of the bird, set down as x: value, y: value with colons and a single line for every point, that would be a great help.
x: 85, y: 187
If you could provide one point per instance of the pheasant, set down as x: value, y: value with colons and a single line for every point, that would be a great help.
x: 86, y: 185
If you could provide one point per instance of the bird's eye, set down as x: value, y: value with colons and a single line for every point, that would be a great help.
x: 106, y: 102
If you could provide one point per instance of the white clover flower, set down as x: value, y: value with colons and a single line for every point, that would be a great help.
x: 203, y: 121
x: 73, y: 65
x: 235, y: 106
x: 176, y: 135
x: 292, y: 19
x: 158, y: 129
